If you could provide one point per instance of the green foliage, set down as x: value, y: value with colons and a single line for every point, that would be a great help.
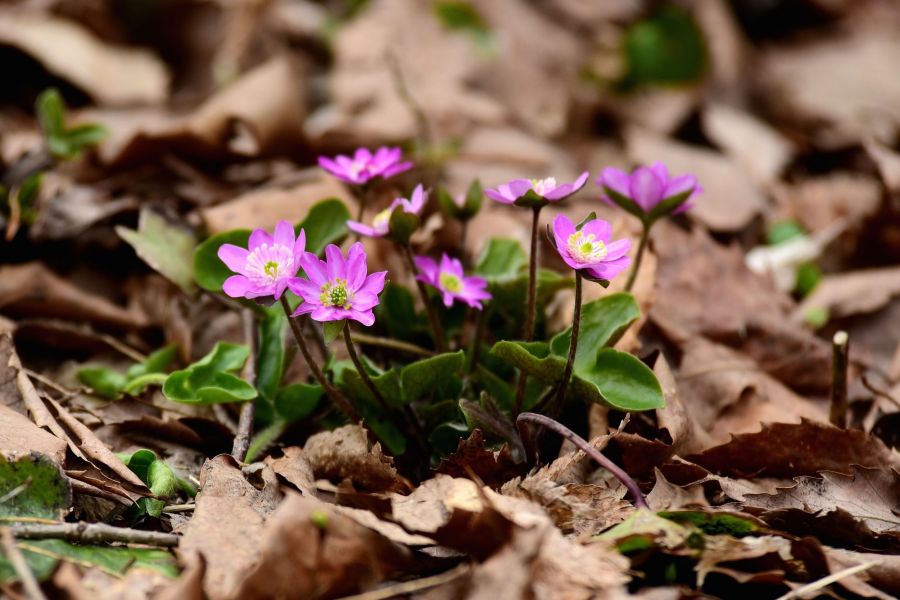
x: 270, y: 354
x: 210, y: 272
x: 62, y: 141
x: 603, y: 322
x: 211, y: 380
x: 158, y: 476
x: 667, y: 48
x: 424, y: 376
x: 457, y: 15
x: 166, y: 247
x: 32, y: 486
x: 502, y: 260
x: 471, y: 203
x: 297, y: 401
x: 332, y: 329
x: 784, y: 231
x: 714, y: 523
x: 111, y: 384
x: 808, y: 277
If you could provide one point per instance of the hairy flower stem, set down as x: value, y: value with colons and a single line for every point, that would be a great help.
x: 531, y: 306
x: 584, y: 446
x: 332, y: 392
x: 433, y: 318
x: 573, y: 346
x: 645, y: 237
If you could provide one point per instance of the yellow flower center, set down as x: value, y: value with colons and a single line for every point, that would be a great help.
x: 271, y: 269
x: 586, y: 248
x: 450, y: 282
x: 382, y: 219
x: 335, y: 293
x: 542, y: 186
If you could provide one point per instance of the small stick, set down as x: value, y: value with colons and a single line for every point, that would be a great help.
x: 839, y: 351
x: 92, y: 533
x: 585, y: 447
x: 20, y: 566
x: 802, y: 592
x: 245, y: 421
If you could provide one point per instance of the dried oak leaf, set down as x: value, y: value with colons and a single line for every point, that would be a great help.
x: 227, y: 525
x: 294, y: 468
x: 871, y: 495
x: 710, y: 292
x: 111, y: 75
x: 666, y: 495
x: 677, y: 418
x: 345, y: 453
x: 835, y: 528
x: 308, y: 549
x: 790, y: 450
x: 493, y: 467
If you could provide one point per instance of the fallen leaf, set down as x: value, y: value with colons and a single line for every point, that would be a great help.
x: 493, y: 467
x: 730, y: 198
x: 761, y: 150
x: 18, y: 435
x: 112, y: 75
x: 852, y: 293
x: 818, y: 203
x: 295, y: 469
x: 346, y: 453
x: 668, y: 496
x: 678, y: 418
x: 790, y: 450
x: 226, y: 528
x: 880, y: 580
x: 167, y: 248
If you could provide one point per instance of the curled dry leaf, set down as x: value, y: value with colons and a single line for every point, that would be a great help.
x: 677, y: 418
x: 871, y: 495
x: 710, y: 292
x: 666, y: 495
x: 33, y: 290
x: 493, y: 467
x: 226, y: 528
x: 881, y: 579
x: 293, y: 467
x: 111, y: 75
x: 345, y: 453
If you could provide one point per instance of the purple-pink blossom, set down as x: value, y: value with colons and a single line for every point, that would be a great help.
x: 450, y: 280
x: 647, y: 187
x: 364, y: 166
x: 381, y: 223
x: 338, y: 288
x: 590, y: 248
x: 268, y: 264
x: 547, y: 189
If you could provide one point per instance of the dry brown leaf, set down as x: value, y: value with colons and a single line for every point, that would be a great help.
x: 719, y: 549
x: 309, y: 550
x: 227, y: 525
x: 820, y: 202
x: 727, y: 393
x: 687, y: 435
x: 493, y: 467
x: 852, y: 293
x: 887, y: 160
x: 295, y: 469
x: 261, y: 113
x: 33, y: 290
x: 18, y: 435
x: 871, y: 495
x: 710, y: 292
x: 789, y: 450
x: 880, y: 580
x: 345, y: 453
x: 665, y: 495
x: 265, y: 207
x: 730, y: 198
x: 80, y: 583
x: 760, y: 149
x: 111, y: 75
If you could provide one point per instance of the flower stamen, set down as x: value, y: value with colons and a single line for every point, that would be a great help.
x: 586, y: 248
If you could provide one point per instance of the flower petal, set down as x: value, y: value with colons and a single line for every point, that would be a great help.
x: 428, y: 267
x: 284, y: 234
x: 258, y: 238
x: 608, y: 270
x: 366, y: 317
x: 234, y: 257
x: 617, y: 249
x: 616, y: 180
x: 314, y: 268
x: 237, y: 286
x: 567, y: 189
x: 336, y: 267
x: 646, y: 188
x: 374, y: 283
x: 598, y: 228
x: 306, y: 289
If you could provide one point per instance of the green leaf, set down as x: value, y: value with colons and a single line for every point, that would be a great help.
x: 87, y: 134
x: 668, y: 206
x: 137, y: 385
x: 156, y: 362
x: 106, y: 383
x: 114, y: 560
x: 423, y: 376
x: 667, y: 48
x: 388, y: 383
x: 603, y: 322
x: 270, y: 356
x: 209, y: 270
x: 28, y: 196
x: 50, y: 111
x: 165, y: 247
x: 626, y: 203
x: 32, y: 486
x: 808, y: 277
x: 715, y: 523
x: 209, y: 380
x: 624, y: 382
x: 501, y: 260
x: 397, y: 312
x: 296, y: 401
x: 326, y: 223
x: 332, y: 329
x: 784, y: 231
x: 158, y: 476
x: 402, y: 225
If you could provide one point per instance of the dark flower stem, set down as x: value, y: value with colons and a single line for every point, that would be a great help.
x: 531, y: 306
x: 573, y: 344
x: 436, y: 327
x: 639, y: 257
x: 584, y: 446
x: 475, y: 347
x: 336, y: 396
x: 839, y: 350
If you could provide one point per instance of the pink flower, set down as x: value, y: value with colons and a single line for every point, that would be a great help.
x: 381, y: 224
x: 449, y: 279
x: 268, y: 264
x: 365, y: 166
x: 590, y: 249
x: 646, y: 188
x: 541, y: 190
x: 338, y: 288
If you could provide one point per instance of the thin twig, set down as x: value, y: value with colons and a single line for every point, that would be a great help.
x: 332, y: 392
x: 245, y: 421
x: 814, y: 586
x: 20, y: 566
x: 839, y: 349
x: 390, y: 344
x: 92, y: 533
x: 645, y: 236
x: 409, y: 587
x: 585, y: 447
x: 436, y: 327
x: 867, y: 383
x: 531, y: 303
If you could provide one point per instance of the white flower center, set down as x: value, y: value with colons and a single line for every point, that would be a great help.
x: 269, y: 263
x: 335, y: 293
x: 542, y: 186
x: 586, y: 248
